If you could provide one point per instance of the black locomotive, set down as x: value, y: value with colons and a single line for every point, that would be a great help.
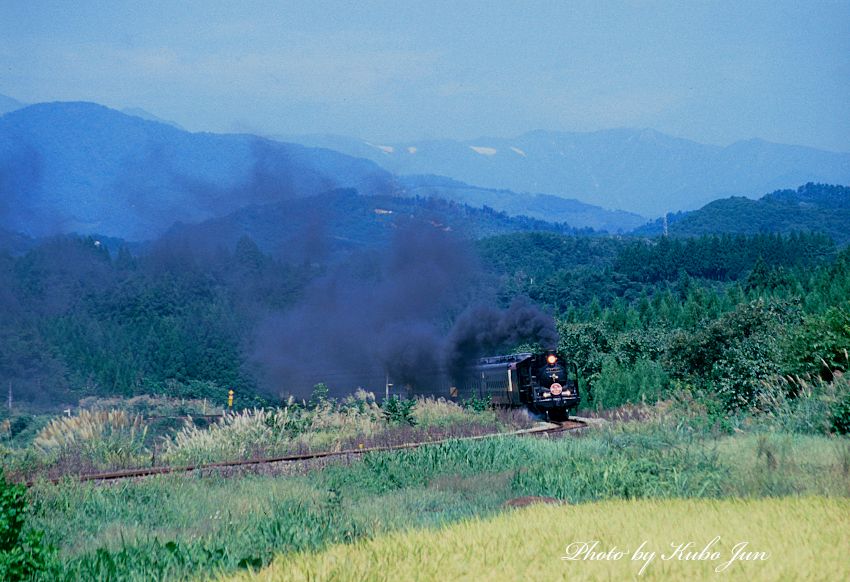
x: 544, y: 382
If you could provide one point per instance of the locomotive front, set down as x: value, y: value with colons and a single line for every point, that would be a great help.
x: 555, y: 387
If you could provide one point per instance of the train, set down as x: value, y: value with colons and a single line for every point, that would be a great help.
x: 545, y: 382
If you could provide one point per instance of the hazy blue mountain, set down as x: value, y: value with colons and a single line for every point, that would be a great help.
x: 640, y: 171
x: 81, y: 167
x: 812, y: 207
x: 144, y: 114
x: 340, y: 220
x: 8, y: 104
x: 540, y: 206
x: 14, y: 243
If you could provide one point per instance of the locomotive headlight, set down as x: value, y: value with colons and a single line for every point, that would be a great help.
x: 551, y: 359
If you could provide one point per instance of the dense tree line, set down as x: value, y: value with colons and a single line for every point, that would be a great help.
x: 812, y: 208
x: 77, y: 321
x: 574, y: 272
x: 719, y: 313
x: 722, y: 314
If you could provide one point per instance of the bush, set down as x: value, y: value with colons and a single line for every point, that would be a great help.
x: 22, y: 552
x: 733, y: 355
x: 618, y: 384
x: 821, y: 343
x: 399, y: 411
x: 476, y: 404
x: 839, y: 414
x: 319, y: 396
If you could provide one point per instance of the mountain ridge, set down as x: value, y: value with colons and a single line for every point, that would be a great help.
x: 811, y: 207
x: 337, y: 221
x: 637, y: 170
x: 82, y: 167
x: 9, y: 104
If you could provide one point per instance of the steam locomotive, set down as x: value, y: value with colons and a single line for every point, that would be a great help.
x: 545, y: 383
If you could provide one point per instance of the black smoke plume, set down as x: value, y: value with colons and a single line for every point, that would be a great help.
x: 388, y: 314
x: 376, y: 314
x: 485, y: 329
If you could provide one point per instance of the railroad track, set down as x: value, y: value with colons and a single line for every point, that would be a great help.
x: 559, y: 428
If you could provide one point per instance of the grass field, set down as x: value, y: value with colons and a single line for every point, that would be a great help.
x: 185, y: 527
x: 794, y: 538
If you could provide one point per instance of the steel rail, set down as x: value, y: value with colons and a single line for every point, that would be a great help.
x: 567, y: 426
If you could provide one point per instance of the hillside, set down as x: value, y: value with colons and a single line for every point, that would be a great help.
x: 641, y: 171
x: 139, y: 112
x: 812, y: 207
x: 341, y: 220
x: 540, y: 206
x: 81, y: 167
x: 8, y: 104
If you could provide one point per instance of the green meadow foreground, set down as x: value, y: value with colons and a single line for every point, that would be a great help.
x: 193, y: 526
x: 802, y: 538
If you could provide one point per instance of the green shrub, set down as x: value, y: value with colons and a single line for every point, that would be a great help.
x: 821, y: 343
x: 732, y: 356
x: 319, y: 396
x: 477, y: 404
x: 22, y: 551
x: 399, y: 411
x: 618, y: 384
x: 839, y: 414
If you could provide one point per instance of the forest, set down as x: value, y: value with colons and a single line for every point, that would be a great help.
x: 720, y: 314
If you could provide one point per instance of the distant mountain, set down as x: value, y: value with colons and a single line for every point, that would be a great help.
x: 640, y: 171
x: 139, y: 112
x: 813, y: 207
x: 342, y: 220
x: 14, y: 243
x: 541, y: 206
x: 81, y: 167
x: 8, y: 104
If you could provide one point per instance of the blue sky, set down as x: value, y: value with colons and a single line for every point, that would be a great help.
x: 715, y: 72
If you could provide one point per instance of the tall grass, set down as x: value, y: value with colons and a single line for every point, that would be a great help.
x: 104, y: 438
x: 329, y: 425
x: 255, y: 433
x: 188, y: 527
x: 806, y: 405
x: 797, y: 538
x: 441, y: 412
